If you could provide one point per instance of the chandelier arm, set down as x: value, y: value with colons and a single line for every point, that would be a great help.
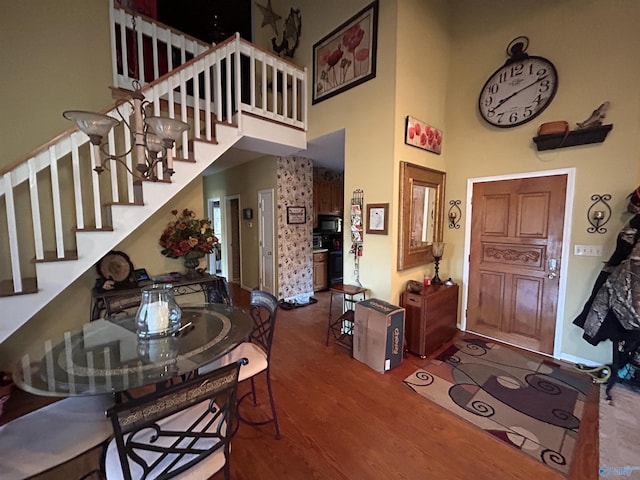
x: 109, y: 156
x: 105, y: 166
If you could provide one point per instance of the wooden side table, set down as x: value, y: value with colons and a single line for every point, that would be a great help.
x: 431, y: 317
x: 342, y: 327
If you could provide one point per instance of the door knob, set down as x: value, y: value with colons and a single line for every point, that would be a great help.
x: 553, y: 264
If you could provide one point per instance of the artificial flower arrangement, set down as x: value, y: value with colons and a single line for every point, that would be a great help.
x: 186, y: 234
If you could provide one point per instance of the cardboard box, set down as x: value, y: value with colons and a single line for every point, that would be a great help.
x: 379, y: 334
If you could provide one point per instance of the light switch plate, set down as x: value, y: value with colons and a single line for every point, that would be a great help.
x: 588, y: 250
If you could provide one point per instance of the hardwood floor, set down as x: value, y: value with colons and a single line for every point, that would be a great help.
x: 341, y: 420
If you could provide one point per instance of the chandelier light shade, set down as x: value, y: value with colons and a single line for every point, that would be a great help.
x: 153, y: 137
x: 95, y: 125
x: 167, y: 128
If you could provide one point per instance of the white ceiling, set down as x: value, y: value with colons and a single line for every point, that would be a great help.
x: 326, y: 152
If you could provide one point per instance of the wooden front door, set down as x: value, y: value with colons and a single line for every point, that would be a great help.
x: 514, y: 264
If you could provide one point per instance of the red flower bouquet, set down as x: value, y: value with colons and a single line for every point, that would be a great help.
x: 186, y: 234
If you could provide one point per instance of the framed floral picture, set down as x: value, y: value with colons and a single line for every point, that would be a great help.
x: 346, y: 57
x: 421, y: 135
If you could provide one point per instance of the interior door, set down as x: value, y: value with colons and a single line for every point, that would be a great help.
x: 232, y: 207
x: 514, y: 263
x: 266, y: 241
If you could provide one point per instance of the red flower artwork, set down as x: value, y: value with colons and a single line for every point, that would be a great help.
x: 424, y: 136
x: 346, y: 56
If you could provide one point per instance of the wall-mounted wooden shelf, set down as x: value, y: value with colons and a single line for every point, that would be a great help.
x: 581, y: 136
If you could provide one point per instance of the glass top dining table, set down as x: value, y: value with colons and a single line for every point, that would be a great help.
x: 107, y: 356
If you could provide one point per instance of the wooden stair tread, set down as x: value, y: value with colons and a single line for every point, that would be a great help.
x: 29, y: 285
x: 52, y: 256
x: 104, y: 228
x: 133, y: 204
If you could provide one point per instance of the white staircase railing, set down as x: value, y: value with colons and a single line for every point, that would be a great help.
x: 54, y: 192
x: 144, y: 50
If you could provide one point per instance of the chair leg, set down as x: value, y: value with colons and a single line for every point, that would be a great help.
x: 273, y: 407
x: 253, y: 392
x: 274, y: 417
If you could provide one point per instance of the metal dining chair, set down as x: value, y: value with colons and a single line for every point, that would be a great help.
x: 184, y: 431
x: 257, y: 351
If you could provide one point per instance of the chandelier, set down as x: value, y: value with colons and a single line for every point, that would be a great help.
x: 153, y: 137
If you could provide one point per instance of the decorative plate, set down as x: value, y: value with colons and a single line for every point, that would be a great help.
x: 115, y: 266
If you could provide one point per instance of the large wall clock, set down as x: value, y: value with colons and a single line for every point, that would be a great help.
x: 520, y: 90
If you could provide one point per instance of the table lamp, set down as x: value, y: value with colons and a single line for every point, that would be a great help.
x: 437, y: 249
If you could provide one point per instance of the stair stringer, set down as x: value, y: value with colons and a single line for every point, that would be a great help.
x: 91, y: 246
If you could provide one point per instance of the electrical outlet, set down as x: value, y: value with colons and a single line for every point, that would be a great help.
x: 588, y: 250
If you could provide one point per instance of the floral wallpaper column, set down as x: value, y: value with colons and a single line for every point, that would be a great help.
x: 295, y: 249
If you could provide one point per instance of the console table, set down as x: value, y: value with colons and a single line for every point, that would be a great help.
x: 431, y: 317
x: 110, y: 302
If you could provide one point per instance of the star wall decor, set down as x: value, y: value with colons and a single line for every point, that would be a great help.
x: 269, y: 17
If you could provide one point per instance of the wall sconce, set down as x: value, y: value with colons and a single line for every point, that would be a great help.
x: 153, y: 137
x: 247, y: 213
x: 455, y: 214
x: 599, y: 213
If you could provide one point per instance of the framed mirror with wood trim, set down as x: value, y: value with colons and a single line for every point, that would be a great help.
x: 421, y: 214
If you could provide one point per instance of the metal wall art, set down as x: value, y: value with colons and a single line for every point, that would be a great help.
x: 455, y: 214
x: 599, y: 213
x: 357, y: 202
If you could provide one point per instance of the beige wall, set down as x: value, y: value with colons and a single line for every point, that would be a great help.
x: 245, y: 180
x: 55, y: 56
x: 433, y: 58
x: 591, y: 44
x: 422, y: 63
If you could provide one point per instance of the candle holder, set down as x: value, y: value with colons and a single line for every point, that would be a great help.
x: 437, y: 249
x: 599, y: 213
x: 159, y: 314
x: 454, y: 214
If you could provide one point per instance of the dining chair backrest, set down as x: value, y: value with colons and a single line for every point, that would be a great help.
x: 220, y: 292
x: 167, y: 432
x: 263, y: 310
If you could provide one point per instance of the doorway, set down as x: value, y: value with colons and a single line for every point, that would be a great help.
x: 232, y: 207
x: 516, y: 245
x: 266, y: 241
x: 216, y: 266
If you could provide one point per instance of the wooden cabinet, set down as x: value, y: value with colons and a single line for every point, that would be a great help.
x: 431, y: 317
x: 320, y: 272
x: 328, y: 198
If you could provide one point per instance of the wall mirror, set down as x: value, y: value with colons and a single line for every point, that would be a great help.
x: 421, y: 214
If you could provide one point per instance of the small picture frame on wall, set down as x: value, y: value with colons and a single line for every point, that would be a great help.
x: 377, y: 218
x: 419, y: 134
x: 296, y: 215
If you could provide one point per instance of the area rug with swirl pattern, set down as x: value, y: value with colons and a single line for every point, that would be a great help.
x: 528, y: 402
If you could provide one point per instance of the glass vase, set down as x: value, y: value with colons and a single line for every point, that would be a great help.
x: 159, y: 314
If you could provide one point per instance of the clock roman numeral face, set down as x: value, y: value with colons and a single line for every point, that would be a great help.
x: 518, y: 92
